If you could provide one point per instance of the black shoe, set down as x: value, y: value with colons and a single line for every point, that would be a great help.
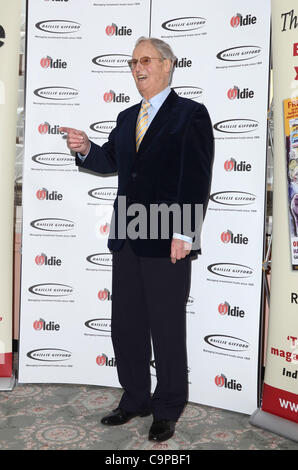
x: 119, y: 416
x: 162, y: 430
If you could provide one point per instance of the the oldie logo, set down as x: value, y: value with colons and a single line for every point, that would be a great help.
x: 48, y: 62
x: 42, y: 325
x: 236, y: 93
x: 112, y: 97
x: 225, y: 309
x: 49, y: 355
x: 192, y: 92
x: 239, y: 53
x: 240, y: 20
x: 2, y: 35
x: 230, y: 270
x: 233, y: 165
x: 236, y: 126
x: 53, y: 225
x: 100, y: 259
x: 104, y: 229
x: 183, y: 62
x: 228, y: 343
x: 221, y: 381
x: 230, y: 237
x: 45, y: 195
x: 46, y: 128
x: 233, y: 198
x: 114, y: 30
x: 103, y: 127
x: 58, y: 93
x: 54, y: 159
x: 113, y: 61
x: 51, y: 290
x: 103, y: 360
x: 99, y: 324
x: 58, y: 26
x: 44, y: 260
x: 186, y: 23
x: 105, y: 194
x: 104, y: 294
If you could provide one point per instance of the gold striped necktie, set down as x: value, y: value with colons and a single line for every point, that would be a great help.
x: 142, y: 123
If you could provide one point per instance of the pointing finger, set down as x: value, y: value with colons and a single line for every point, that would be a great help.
x: 70, y: 130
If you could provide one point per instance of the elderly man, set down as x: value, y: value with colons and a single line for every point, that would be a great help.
x: 162, y: 149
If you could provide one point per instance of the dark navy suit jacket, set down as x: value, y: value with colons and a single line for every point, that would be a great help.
x: 173, y: 163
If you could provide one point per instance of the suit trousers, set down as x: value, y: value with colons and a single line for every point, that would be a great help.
x: 149, y: 297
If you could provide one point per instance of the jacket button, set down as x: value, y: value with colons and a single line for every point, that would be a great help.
x: 133, y: 175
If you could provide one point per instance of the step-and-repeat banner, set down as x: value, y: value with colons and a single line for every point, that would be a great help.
x: 77, y: 76
x: 10, y: 20
x: 280, y: 390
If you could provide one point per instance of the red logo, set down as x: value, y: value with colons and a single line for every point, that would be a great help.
x: 104, y: 294
x: 219, y: 380
x: 223, y: 308
x: 41, y: 194
x: 38, y: 324
x: 43, y: 128
x: 109, y: 96
x: 104, y: 229
x: 101, y: 360
x: 232, y: 93
x: 40, y: 259
x: 235, y: 21
x: 111, y: 29
x: 45, y: 62
x: 226, y: 236
x: 229, y: 164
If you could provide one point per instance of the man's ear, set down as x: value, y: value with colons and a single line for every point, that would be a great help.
x: 168, y: 65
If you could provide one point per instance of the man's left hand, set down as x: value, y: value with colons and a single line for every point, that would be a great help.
x: 179, y: 249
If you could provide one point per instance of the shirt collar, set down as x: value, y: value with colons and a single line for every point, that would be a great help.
x: 157, y: 100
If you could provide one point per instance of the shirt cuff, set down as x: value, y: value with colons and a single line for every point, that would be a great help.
x: 182, y: 237
x: 83, y: 157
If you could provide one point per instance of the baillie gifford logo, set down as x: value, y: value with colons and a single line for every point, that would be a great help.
x: 240, y: 20
x: 225, y: 309
x: 112, y: 97
x: 103, y: 360
x: 221, y: 381
x: 114, y: 30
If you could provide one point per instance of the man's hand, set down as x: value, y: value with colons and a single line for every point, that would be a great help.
x: 76, y: 140
x: 179, y: 249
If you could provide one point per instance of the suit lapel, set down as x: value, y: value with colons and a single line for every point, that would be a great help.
x: 159, y: 120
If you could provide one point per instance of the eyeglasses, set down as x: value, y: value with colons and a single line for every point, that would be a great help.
x: 143, y: 61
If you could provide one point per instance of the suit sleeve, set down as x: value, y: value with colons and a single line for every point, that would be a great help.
x: 101, y: 159
x: 196, y: 168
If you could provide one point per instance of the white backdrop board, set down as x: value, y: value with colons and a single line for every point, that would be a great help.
x: 77, y: 76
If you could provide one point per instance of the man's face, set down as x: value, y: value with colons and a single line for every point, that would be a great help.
x: 153, y: 78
